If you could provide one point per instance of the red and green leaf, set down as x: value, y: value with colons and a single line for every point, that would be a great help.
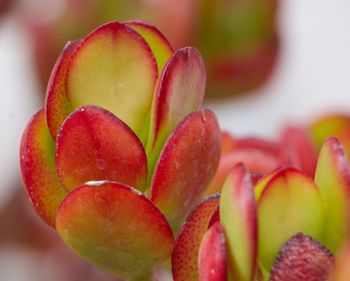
x: 116, y: 228
x: 37, y: 158
x: 93, y: 144
x: 186, y: 166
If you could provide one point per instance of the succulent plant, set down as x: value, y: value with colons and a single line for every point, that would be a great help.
x: 287, y: 226
x: 121, y: 152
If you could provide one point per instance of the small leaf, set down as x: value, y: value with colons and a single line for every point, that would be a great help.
x: 37, y: 157
x: 186, y: 166
x: 333, y: 180
x: 179, y: 91
x: 290, y: 203
x: 212, y: 264
x: 93, y: 144
x: 114, y: 67
x: 239, y: 220
x: 185, y: 255
x: 115, y: 227
x: 302, y: 259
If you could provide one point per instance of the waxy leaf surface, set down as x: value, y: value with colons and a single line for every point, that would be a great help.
x: 93, y: 144
x: 290, y: 203
x: 179, y: 91
x: 185, y: 255
x: 37, y: 157
x: 115, y: 227
x: 114, y: 67
x: 57, y: 104
x: 186, y: 166
x: 239, y: 220
x: 333, y: 180
x: 302, y: 259
x: 212, y: 263
x: 159, y: 45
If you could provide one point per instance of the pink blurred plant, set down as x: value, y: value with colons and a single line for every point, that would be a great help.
x: 122, y: 151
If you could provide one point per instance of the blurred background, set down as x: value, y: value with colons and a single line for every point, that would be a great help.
x: 269, y: 63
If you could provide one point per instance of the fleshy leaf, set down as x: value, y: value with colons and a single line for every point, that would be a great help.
x: 302, y: 259
x: 333, y: 180
x: 186, y: 166
x: 37, y: 157
x: 212, y: 264
x: 185, y: 255
x: 114, y: 68
x: 114, y: 227
x: 57, y: 104
x: 238, y: 217
x: 179, y: 91
x: 93, y: 144
x: 298, y: 151
x: 159, y: 45
x: 290, y: 203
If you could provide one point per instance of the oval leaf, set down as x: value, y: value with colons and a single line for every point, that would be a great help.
x: 212, y: 264
x: 93, y: 144
x: 179, y: 91
x: 114, y: 68
x: 185, y: 255
x: 186, y: 166
x: 239, y: 220
x: 290, y: 203
x: 115, y: 227
x: 333, y: 180
x: 37, y: 157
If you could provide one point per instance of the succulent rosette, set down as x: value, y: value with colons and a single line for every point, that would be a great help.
x: 287, y: 226
x: 122, y: 151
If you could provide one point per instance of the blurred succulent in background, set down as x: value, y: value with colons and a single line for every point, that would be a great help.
x: 238, y: 39
x: 121, y: 152
x: 285, y: 227
x: 293, y: 148
x: 333, y: 124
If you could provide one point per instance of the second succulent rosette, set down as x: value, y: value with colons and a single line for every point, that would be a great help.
x: 122, y: 151
x: 284, y: 226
